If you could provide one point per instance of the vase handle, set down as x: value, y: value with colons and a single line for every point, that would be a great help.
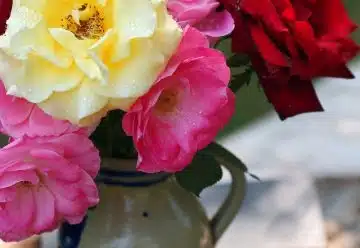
x: 228, y: 210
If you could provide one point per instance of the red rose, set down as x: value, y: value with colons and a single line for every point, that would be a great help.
x: 5, y: 9
x: 290, y: 42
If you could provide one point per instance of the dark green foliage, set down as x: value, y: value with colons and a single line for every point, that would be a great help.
x: 203, y: 172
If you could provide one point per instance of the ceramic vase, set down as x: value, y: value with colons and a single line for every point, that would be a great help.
x: 140, y: 210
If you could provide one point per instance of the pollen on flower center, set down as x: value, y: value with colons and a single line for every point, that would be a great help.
x: 85, y: 22
x: 26, y: 184
x: 167, y: 101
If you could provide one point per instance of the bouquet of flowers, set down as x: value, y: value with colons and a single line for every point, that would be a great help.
x: 85, y: 79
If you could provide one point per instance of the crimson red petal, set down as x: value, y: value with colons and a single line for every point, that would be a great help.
x: 266, y: 47
x: 330, y: 18
x: 5, y: 9
x: 331, y: 61
x: 294, y: 97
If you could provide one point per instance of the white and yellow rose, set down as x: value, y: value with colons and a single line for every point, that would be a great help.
x: 77, y: 59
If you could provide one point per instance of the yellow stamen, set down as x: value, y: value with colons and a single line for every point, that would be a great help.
x: 167, y: 101
x: 85, y: 21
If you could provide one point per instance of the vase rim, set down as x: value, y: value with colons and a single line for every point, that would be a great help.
x: 122, y: 172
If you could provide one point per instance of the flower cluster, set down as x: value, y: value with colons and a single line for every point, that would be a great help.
x: 65, y: 65
x: 44, y: 178
x: 290, y: 43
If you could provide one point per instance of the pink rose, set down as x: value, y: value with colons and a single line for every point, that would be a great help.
x: 203, y: 15
x: 18, y: 117
x: 184, y: 110
x: 44, y: 181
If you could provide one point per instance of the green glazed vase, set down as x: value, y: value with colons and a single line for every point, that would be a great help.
x: 140, y: 210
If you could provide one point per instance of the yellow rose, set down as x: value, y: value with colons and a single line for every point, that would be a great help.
x: 77, y: 59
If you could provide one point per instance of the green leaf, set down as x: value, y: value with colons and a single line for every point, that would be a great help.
x: 241, y: 79
x: 110, y: 138
x: 238, y: 60
x: 224, y: 44
x: 223, y: 156
x: 203, y: 172
x: 121, y: 145
x: 100, y: 138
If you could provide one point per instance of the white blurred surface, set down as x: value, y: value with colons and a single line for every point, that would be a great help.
x: 325, y: 144
x: 279, y: 213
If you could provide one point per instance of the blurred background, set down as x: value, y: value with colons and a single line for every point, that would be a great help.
x: 309, y: 166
